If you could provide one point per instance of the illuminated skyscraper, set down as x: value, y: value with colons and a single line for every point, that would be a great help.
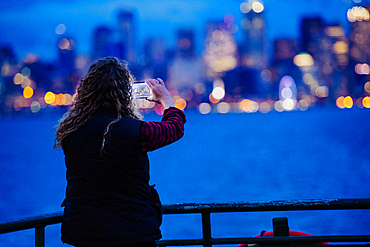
x: 220, y: 50
x: 186, y: 69
x: 335, y: 61
x: 328, y: 46
x: 359, y: 49
x: 284, y: 52
x: 253, y: 24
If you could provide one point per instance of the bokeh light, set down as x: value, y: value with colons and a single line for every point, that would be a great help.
x: 249, y: 106
x: 218, y: 93
x: 303, y: 59
x: 27, y: 92
x: 49, y: 97
x: 180, y: 103
x: 348, y: 102
x: 322, y: 91
x: 60, y: 29
x: 35, y: 106
x: 367, y: 87
x: 245, y: 7
x: 204, y: 108
x: 358, y: 13
x: 223, y: 107
x: 340, y: 103
x: 26, y: 72
x: 366, y: 102
x: 288, y: 104
x: 257, y: 7
x: 265, y: 107
x: 18, y: 79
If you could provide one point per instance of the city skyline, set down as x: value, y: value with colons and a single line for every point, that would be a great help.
x: 238, y: 63
x: 20, y: 27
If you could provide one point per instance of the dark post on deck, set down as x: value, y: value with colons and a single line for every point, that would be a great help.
x: 40, y: 222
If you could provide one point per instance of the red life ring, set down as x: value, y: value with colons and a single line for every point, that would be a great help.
x: 291, y: 233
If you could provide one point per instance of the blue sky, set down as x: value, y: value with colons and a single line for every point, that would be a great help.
x: 29, y: 25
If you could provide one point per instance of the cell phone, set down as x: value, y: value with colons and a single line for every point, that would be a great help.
x: 141, y: 90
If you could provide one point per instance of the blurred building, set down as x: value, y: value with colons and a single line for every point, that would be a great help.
x: 64, y: 80
x: 359, y: 49
x: 328, y: 46
x: 185, y: 71
x: 283, y: 64
x: 102, y: 42
x: 335, y: 65
x: 154, y: 60
x: 127, y: 35
x: 253, y: 24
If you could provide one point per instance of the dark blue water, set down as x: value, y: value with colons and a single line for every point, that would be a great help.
x: 317, y: 154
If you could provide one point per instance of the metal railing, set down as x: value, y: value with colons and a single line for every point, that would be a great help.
x: 40, y: 222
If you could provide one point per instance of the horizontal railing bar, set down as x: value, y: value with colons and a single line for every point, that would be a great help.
x: 185, y: 208
x: 31, y: 222
x: 180, y: 242
x: 283, y: 205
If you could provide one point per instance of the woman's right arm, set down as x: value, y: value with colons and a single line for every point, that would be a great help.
x: 154, y: 135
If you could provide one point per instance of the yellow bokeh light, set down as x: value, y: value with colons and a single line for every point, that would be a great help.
x: 348, y: 102
x: 49, y: 98
x: 180, y: 104
x: 62, y: 99
x: 339, y: 102
x: 340, y: 47
x: 335, y: 31
x: 303, y: 59
x: 27, y: 92
x: 366, y: 102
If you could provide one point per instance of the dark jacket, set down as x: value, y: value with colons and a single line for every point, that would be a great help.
x: 108, y: 198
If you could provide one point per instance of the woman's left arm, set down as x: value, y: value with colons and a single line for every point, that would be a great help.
x: 154, y: 135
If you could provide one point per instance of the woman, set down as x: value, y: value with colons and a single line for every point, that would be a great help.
x: 105, y: 141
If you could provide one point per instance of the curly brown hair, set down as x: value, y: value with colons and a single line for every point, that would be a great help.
x: 105, y: 88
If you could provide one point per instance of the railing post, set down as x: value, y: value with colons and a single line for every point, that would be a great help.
x: 40, y: 236
x: 206, y: 225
